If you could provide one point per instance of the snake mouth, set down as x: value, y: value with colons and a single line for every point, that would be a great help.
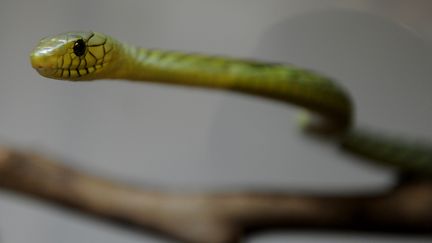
x: 65, y: 73
x: 46, y: 72
x: 76, y: 74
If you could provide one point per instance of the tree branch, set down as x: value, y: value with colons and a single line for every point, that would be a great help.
x: 218, y: 217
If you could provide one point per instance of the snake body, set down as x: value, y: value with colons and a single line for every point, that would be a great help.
x: 85, y: 56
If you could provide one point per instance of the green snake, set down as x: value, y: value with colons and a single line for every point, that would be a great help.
x: 86, y: 56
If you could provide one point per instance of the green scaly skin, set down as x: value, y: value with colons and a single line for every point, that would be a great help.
x: 85, y: 56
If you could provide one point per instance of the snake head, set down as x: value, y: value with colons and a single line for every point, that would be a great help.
x: 73, y: 55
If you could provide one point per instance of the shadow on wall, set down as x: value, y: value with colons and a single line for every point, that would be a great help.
x: 339, y: 39
x: 261, y: 142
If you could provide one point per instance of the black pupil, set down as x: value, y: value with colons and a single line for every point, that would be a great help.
x: 79, y: 47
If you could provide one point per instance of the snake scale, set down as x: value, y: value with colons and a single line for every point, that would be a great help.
x: 86, y: 56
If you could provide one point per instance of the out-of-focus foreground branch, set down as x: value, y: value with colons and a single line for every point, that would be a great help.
x: 216, y: 218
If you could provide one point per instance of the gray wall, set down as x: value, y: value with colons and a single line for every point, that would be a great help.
x: 186, y: 139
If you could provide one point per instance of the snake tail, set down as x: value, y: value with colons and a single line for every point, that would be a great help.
x: 405, y: 155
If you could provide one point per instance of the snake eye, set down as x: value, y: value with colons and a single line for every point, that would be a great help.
x: 79, y: 47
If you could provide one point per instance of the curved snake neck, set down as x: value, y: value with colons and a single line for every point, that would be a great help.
x: 83, y: 56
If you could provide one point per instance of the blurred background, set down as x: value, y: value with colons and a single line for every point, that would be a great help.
x: 200, y: 140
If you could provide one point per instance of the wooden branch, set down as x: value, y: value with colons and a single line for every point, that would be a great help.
x: 216, y: 218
